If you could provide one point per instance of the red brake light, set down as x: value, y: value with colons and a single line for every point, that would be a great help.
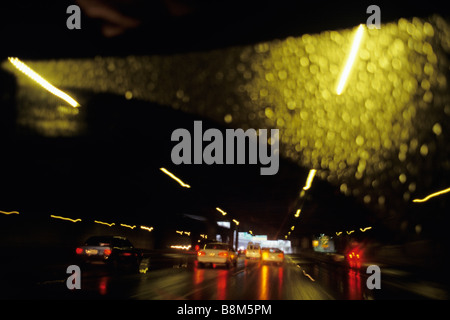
x: 79, y: 250
x: 201, y: 253
x: 223, y: 254
x: 126, y: 254
x: 107, y: 252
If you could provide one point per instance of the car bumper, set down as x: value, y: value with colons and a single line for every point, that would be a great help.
x: 215, y: 260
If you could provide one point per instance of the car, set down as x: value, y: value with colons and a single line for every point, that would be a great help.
x: 253, y: 251
x: 272, y: 255
x: 217, y: 253
x: 116, y: 252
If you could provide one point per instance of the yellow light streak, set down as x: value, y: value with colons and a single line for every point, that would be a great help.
x: 105, y: 223
x: 350, y: 232
x: 64, y: 218
x: 170, y: 174
x: 338, y: 233
x: 149, y: 229
x: 310, y: 178
x: 432, y: 195
x: 221, y: 211
x: 235, y: 221
x: 42, y: 82
x: 351, y: 59
x: 297, y: 214
x: 188, y: 233
x: 292, y: 228
x: 127, y: 226
x: 180, y: 232
x: 365, y: 229
x: 182, y: 247
x: 9, y: 212
x: 307, y: 275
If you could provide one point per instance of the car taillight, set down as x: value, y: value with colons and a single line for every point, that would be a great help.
x: 107, y: 252
x: 223, y: 254
x: 126, y: 254
x: 201, y: 253
x: 353, y: 255
x: 79, y: 250
x: 281, y: 255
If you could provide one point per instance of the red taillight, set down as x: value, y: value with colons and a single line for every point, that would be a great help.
x: 280, y: 255
x: 201, y: 253
x: 354, y: 255
x: 223, y: 254
x: 126, y: 254
x: 79, y: 250
x: 107, y: 252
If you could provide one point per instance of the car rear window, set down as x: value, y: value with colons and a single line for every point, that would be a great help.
x: 217, y: 246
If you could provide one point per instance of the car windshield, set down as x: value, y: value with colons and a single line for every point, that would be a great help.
x: 107, y: 241
x: 217, y: 246
x: 273, y: 250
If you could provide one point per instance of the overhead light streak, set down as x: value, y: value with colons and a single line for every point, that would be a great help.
x: 235, y: 221
x: 104, y: 223
x: 432, y: 195
x: 351, y: 59
x: 310, y: 178
x: 127, y: 226
x: 42, y: 82
x: 64, y: 218
x: 174, y: 177
x: 350, y: 232
x: 221, y: 211
x: 9, y: 212
x: 338, y: 233
x: 149, y: 229
x: 365, y: 229
x: 297, y: 213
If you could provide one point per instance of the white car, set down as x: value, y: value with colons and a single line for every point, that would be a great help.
x: 217, y: 253
x: 253, y: 251
x: 272, y: 255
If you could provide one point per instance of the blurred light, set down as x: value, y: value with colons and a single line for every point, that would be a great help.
x: 432, y: 195
x: 79, y: 250
x: 179, y: 232
x: 221, y: 211
x: 149, y: 229
x: 188, y: 233
x: 339, y: 233
x: 315, y: 243
x: 310, y: 178
x: 181, y: 247
x: 351, y: 59
x: 170, y: 174
x: 107, y: 252
x: 64, y: 218
x: 350, y: 232
x: 307, y: 275
x: 9, y: 212
x: 292, y: 228
x: 105, y: 223
x: 235, y: 221
x: 42, y: 82
x: 127, y: 226
x: 297, y: 214
x: 365, y: 229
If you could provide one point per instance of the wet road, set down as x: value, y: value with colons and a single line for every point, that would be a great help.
x: 297, y: 279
